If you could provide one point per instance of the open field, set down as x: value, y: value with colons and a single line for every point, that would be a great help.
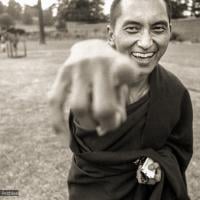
x: 32, y: 159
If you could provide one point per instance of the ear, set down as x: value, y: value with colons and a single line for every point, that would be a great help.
x: 111, y: 39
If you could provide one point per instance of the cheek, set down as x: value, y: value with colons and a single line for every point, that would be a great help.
x: 123, y: 41
x: 163, y: 42
x: 164, y: 39
x: 123, y: 44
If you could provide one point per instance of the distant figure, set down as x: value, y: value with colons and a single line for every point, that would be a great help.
x: 12, y: 37
x: 3, y: 43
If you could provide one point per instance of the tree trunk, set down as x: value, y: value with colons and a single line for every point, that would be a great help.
x: 41, y: 23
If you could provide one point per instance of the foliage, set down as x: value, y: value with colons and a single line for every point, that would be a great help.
x: 28, y: 14
x: 196, y: 8
x: 177, y: 9
x: 96, y: 11
x: 2, y: 8
x: 27, y: 19
x: 48, y: 17
x: 82, y: 10
x: 6, y: 20
x: 60, y: 18
x: 60, y: 24
x: 32, y: 10
x: 14, y: 9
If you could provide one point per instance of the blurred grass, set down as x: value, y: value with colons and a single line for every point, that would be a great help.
x: 35, y: 161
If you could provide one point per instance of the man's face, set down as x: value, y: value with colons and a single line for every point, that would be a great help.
x: 142, y: 31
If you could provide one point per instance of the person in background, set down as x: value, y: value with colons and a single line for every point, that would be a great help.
x: 130, y: 119
x: 3, y: 43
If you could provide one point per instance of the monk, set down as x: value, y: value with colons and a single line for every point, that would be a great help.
x: 130, y: 119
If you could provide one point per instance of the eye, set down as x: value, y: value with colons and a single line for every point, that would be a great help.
x: 159, y: 29
x: 132, y: 29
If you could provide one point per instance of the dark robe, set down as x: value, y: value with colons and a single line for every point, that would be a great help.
x: 158, y: 126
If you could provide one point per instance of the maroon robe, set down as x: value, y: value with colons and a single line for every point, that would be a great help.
x: 158, y: 126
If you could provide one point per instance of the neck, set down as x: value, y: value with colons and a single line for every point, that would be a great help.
x: 137, y: 92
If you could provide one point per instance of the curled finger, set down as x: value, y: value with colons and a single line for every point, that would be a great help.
x: 80, y: 98
x: 57, y: 97
x: 122, y: 101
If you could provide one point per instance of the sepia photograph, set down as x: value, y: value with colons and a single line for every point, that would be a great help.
x: 99, y: 99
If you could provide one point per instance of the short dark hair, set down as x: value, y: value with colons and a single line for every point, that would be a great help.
x: 115, y: 11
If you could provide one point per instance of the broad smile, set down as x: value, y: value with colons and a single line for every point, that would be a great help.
x: 143, y: 58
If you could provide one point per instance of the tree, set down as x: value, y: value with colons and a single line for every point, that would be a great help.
x: 83, y: 10
x: 2, y: 8
x: 78, y: 10
x: 27, y: 18
x: 30, y: 14
x: 60, y: 18
x: 14, y: 9
x: 96, y: 11
x: 48, y: 17
x: 41, y: 23
x: 196, y: 8
x: 177, y: 8
x: 6, y: 20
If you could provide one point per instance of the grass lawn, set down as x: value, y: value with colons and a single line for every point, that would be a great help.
x: 32, y: 159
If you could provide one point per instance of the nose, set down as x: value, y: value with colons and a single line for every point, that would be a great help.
x: 145, y: 40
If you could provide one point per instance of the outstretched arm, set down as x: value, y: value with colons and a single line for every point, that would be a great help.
x: 95, y: 79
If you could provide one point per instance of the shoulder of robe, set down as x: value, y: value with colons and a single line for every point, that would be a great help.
x: 170, y: 82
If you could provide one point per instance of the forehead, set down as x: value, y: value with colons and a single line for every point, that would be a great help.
x: 143, y: 10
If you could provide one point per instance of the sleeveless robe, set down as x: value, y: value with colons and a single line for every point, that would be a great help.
x: 158, y: 126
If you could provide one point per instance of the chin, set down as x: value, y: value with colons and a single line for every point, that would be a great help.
x: 147, y: 69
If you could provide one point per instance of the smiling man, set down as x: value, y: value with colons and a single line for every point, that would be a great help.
x: 142, y: 31
x: 130, y: 120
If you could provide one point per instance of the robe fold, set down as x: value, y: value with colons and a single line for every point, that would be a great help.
x: 158, y: 126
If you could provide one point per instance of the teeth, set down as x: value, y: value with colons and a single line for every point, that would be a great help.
x: 143, y: 55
